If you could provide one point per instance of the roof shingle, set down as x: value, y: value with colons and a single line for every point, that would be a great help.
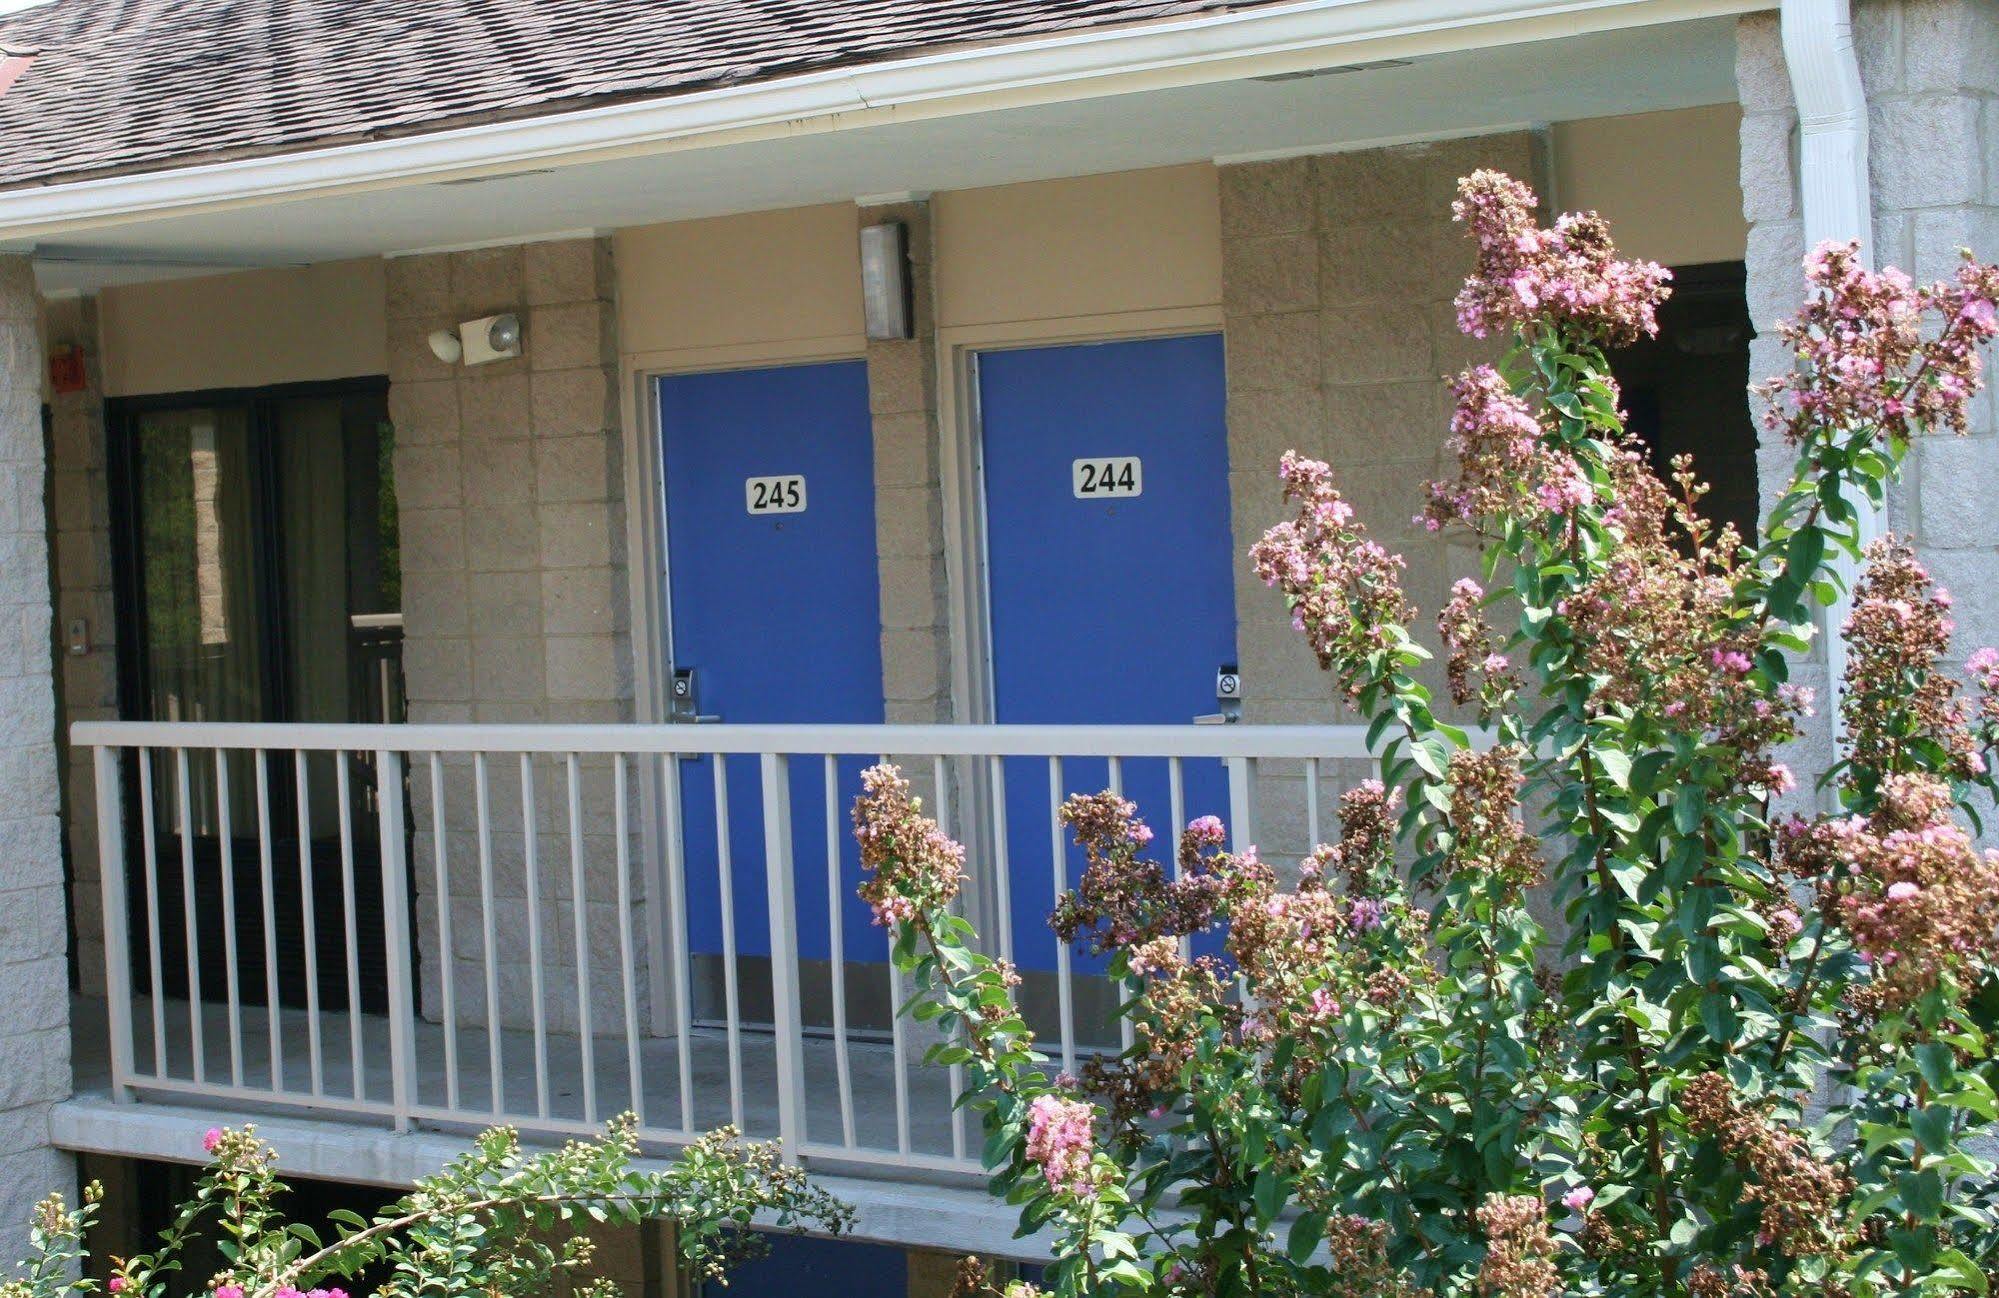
x: 132, y: 85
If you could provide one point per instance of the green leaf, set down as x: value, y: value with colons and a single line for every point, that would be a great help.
x: 1306, y: 1232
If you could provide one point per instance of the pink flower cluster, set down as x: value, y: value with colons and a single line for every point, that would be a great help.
x: 1061, y: 1141
x: 1345, y: 590
x: 1568, y: 274
x: 1897, y: 696
x: 1504, y: 460
x: 1912, y: 891
x: 1863, y: 360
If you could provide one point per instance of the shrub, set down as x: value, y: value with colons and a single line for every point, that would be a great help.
x: 1756, y: 1056
x: 500, y: 1220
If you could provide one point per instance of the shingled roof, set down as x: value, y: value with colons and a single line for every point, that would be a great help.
x: 136, y: 85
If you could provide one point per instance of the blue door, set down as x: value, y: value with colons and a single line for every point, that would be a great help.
x: 1110, y: 564
x: 775, y: 607
x: 804, y: 1266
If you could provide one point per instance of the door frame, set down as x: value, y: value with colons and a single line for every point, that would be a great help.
x: 961, y: 473
x: 126, y: 534
x: 651, y: 615
x: 121, y: 448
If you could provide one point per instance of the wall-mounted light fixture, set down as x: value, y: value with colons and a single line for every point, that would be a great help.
x: 885, y: 281
x: 475, y: 342
x: 445, y: 346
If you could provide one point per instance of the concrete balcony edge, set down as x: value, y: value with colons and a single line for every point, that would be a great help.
x: 944, y: 1218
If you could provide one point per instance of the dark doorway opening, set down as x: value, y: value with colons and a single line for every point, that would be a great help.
x: 1686, y: 391
x: 259, y: 579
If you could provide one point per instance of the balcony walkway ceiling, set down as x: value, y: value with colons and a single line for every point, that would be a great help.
x: 1588, y: 59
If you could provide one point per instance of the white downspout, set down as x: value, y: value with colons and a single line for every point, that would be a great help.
x: 1833, y: 184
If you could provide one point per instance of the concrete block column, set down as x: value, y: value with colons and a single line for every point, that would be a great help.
x: 1930, y: 69
x: 34, y: 983
x: 1337, y: 278
x: 510, y: 489
x: 909, y: 502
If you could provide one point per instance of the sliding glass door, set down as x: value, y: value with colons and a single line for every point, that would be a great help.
x: 259, y: 581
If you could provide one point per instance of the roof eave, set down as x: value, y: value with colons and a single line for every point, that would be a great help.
x: 1218, y: 47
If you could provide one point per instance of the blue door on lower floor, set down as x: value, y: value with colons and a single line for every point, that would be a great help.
x: 1110, y: 564
x: 803, y: 1266
x: 774, y: 606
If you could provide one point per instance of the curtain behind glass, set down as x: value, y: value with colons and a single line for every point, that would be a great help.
x: 206, y: 644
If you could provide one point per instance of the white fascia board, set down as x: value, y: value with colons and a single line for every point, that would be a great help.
x: 1258, y: 42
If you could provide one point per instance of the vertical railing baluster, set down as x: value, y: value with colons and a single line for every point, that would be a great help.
x: 349, y: 917
x: 185, y: 802
x: 627, y: 958
x: 898, y: 1041
x: 308, y: 921
x: 1002, y: 862
x: 225, y: 837
x: 941, y: 774
x: 836, y: 896
x: 1176, y: 798
x: 267, y: 886
x: 1312, y: 804
x: 1065, y: 991
x: 482, y: 793
x: 111, y: 867
x: 154, y: 964
x: 530, y: 836
x: 725, y: 875
x: 782, y: 899
x: 1127, y: 1035
x: 676, y: 928
x: 1242, y: 803
x: 580, y: 915
x: 447, y: 950
x: 391, y: 819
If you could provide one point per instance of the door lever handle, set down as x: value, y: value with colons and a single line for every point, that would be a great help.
x: 1216, y: 719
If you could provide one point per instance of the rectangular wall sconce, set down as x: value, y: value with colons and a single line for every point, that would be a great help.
x: 885, y: 286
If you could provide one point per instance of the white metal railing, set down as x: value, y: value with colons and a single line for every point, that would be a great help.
x: 574, y: 898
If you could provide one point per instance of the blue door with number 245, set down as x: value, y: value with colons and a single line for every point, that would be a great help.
x: 775, y: 608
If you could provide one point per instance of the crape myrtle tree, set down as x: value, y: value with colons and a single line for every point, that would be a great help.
x: 1756, y: 1055
x: 499, y: 1221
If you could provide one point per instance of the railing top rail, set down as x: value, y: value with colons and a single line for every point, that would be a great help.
x: 929, y: 740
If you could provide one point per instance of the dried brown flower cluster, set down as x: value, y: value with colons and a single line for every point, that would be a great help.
x: 912, y: 865
x: 1473, y: 663
x: 1802, y: 1197
x: 1519, y: 1250
x: 1487, y: 834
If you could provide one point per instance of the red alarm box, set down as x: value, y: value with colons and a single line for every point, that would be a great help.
x: 66, y: 373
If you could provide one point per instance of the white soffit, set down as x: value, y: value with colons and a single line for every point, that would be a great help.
x: 1552, y: 78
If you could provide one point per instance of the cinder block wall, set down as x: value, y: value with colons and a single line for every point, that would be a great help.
x: 1931, y: 72
x: 1338, y: 273
x: 34, y: 987
x: 510, y: 483
x: 87, y: 683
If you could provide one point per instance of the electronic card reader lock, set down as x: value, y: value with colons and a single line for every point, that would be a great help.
x: 1228, y: 698
x: 685, y: 704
